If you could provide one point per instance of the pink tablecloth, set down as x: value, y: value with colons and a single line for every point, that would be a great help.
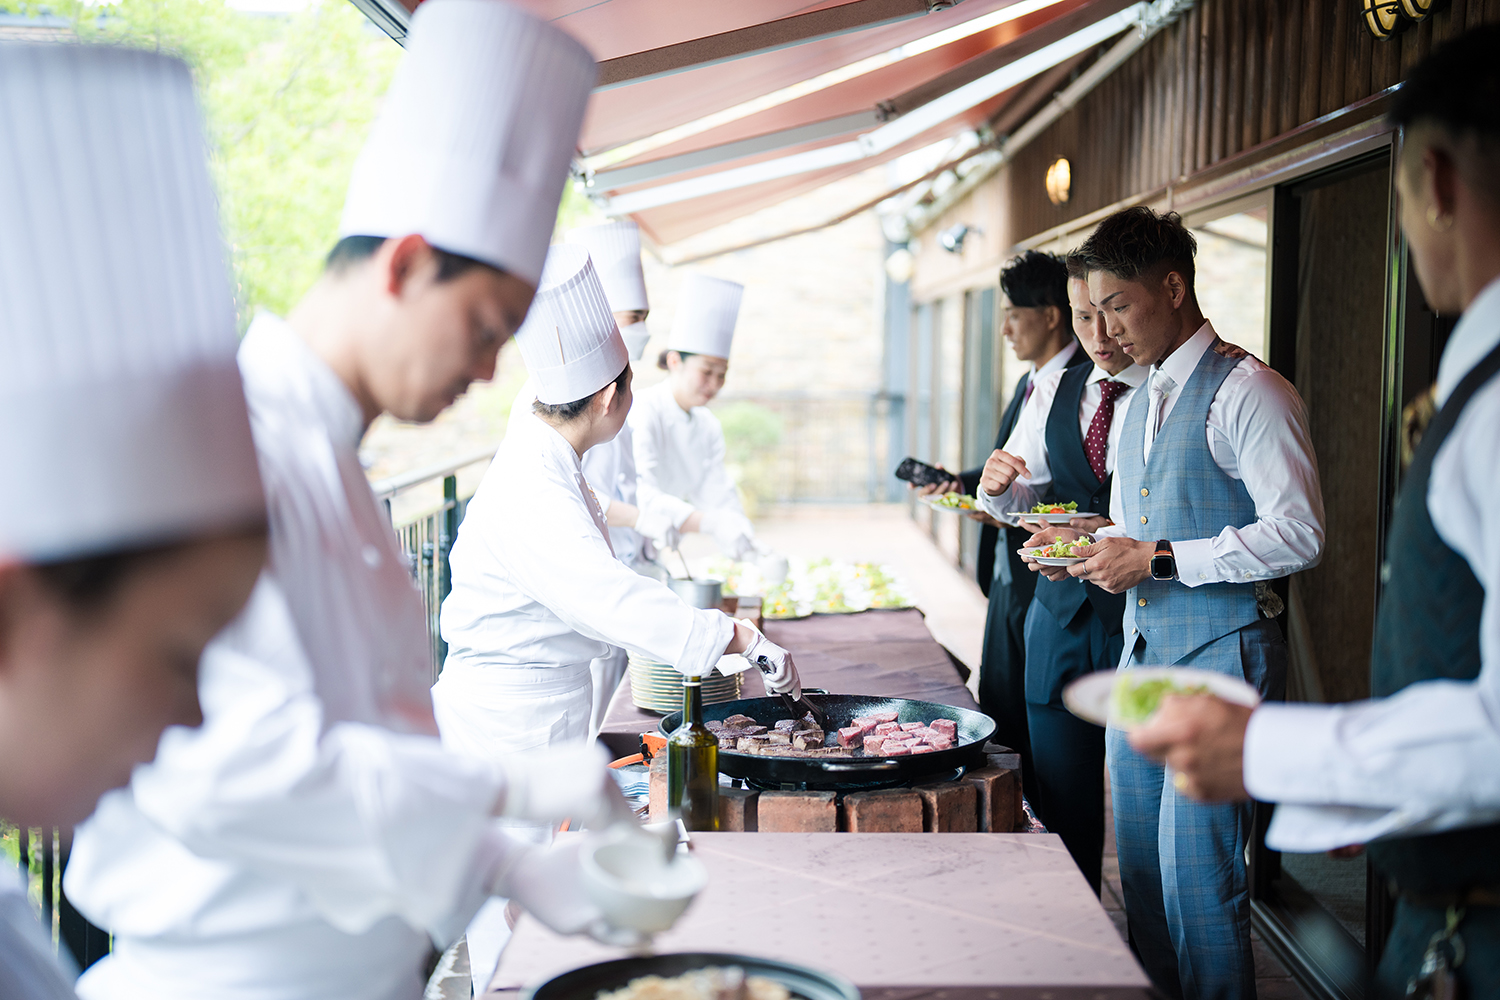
x: 887, y: 653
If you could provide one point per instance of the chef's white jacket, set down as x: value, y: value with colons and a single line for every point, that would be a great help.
x: 680, y: 453
x: 536, y: 585
x: 29, y: 970
x: 311, y: 839
x: 1424, y: 759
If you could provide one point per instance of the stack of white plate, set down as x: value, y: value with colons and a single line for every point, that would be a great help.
x: 657, y: 687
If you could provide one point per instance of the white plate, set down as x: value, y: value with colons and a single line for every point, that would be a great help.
x: 1090, y: 696
x: 1049, y: 518
x: 1031, y: 553
x: 952, y: 510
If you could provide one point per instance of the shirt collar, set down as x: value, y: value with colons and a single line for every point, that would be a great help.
x: 1477, y: 333
x: 1132, y: 376
x: 1057, y: 362
x: 1179, y: 365
x: 550, y: 440
x: 330, y: 398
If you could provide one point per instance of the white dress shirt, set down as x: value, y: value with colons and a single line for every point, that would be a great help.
x: 312, y: 839
x: 680, y: 453
x: 29, y: 970
x: 1257, y: 433
x: 1029, y: 440
x: 1428, y: 757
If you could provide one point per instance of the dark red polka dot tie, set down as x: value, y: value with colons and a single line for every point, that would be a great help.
x: 1096, y: 442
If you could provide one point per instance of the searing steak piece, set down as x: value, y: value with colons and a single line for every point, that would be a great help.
x: 873, y: 743
x: 786, y: 725
x: 750, y: 744
x: 947, y: 727
x: 778, y: 738
x: 739, y: 721
x: 911, y: 727
x: 888, y: 727
x: 923, y: 748
x: 808, y: 741
x: 895, y: 750
x: 851, y: 736
x: 807, y: 722
x: 753, y: 731
x: 882, y: 716
x: 940, y: 743
x: 713, y: 725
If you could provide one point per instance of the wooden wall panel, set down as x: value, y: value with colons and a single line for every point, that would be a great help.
x: 1228, y: 76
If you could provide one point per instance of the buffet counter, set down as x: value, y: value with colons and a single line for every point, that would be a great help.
x: 887, y: 653
x: 956, y: 917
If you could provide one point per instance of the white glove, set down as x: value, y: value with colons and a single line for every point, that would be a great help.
x: 571, y: 782
x: 660, y: 519
x: 773, y: 566
x: 548, y: 883
x: 774, y: 662
x: 731, y: 530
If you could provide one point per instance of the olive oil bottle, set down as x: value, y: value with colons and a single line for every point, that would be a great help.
x: 693, y: 764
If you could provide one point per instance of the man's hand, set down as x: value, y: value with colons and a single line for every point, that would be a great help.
x: 1000, y: 470
x: 1046, y: 534
x: 946, y: 486
x: 1202, y: 738
x: 983, y: 518
x: 1116, y: 564
x: 1089, y: 525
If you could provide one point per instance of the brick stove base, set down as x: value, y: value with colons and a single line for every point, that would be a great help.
x: 984, y: 800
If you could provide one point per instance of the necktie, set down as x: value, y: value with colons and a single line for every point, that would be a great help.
x: 1096, y: 442
x: 1162, y: 385
x: 1030, y: 384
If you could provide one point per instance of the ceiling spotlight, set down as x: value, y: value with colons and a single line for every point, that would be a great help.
x: 952, y: 238
x: 1059, y: 181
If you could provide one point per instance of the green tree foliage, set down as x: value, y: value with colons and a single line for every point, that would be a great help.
x: 288, y: 100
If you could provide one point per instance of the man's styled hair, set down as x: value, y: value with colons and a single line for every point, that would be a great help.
x: 570, y: 411
x: 1035, y: 279
x: 1457, y: 88
x: 1140, y: 243
x: 1078, y: 266
x: 353, y: 250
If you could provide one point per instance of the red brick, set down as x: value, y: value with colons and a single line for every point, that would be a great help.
x: 737, y: 810
x: 950, y: 807
x: 797, y: 812
x: 659, y: 788
x: 890, y: 810
x: 999, y: 798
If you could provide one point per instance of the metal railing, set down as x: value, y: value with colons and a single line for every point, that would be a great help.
x: 427, y: 530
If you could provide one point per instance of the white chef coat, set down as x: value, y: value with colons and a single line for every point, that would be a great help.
x: 1029, y: 439
x: 29, y: 969
x: 1257, y: 433
x: 312, y: 838
x: 680, y: 453
x: 538, y: 594
x: 1424, y: 759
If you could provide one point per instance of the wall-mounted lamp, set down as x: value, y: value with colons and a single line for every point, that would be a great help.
x: 1383, y: 17
x: 1059, y: 181
x: 900, y: 265
x: 952, y: 238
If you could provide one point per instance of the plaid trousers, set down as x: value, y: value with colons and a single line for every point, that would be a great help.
x: 1182, y: 863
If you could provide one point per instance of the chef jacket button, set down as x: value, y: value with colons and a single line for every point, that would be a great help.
x: 1145, y: 492
x: 371, y: 555
x: 1141, y: 602
x: 1203, y: 576
x: 1249, y: 575
x: 1143, y: 518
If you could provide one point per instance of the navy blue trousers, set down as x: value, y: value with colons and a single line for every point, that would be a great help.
x: 1067, y: 752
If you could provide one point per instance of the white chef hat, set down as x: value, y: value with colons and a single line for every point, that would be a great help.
x: 471, y: 150
x: 706, y: 313
x: 122, y: 410
x: 569, y: 342
x: 615, y: 248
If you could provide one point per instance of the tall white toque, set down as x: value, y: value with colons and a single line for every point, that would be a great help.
x: 124, y: 417
x: 706, y: 313
x: 615, y: 248
x: 569, y: 342
x: 471, y: 150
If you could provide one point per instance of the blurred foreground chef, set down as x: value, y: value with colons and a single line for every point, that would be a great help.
x: 132, y: 522
x: 679, y: 445
x: 314, y: 839
x: 1412, y: 772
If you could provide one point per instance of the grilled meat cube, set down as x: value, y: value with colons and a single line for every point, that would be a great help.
x: 739, y: 721
x: 779, y: 738
x: 808, y: 741
x: 786, y: 725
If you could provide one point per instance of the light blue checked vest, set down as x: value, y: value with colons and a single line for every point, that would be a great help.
x: 1181, y: 494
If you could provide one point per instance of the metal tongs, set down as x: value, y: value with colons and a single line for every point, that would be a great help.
x: 797, y: 706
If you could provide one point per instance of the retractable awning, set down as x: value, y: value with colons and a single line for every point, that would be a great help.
x: 706, y: 112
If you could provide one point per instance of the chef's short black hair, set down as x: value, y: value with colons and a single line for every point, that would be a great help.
x: 87, y: 583
x: 352, y: 250
x: 1035, y: 279
x: 661, y: 359
x: 1078, y: 266
x: 1139, y: 243
x: 570, y: 411
x: 1457, y: 88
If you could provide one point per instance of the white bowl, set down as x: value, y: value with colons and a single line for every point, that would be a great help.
x: 628, y: 878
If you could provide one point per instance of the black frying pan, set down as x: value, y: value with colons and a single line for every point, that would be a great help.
x: 588, y: 982
x: 828, y: 772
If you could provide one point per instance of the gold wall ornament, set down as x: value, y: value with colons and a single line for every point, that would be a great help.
x: 1382, y: 17
x: 1059, y: 181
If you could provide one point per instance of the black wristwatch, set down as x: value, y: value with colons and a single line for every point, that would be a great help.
x: 1163, y: 563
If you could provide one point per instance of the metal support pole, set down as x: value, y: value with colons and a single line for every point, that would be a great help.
x: 448, y: 533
